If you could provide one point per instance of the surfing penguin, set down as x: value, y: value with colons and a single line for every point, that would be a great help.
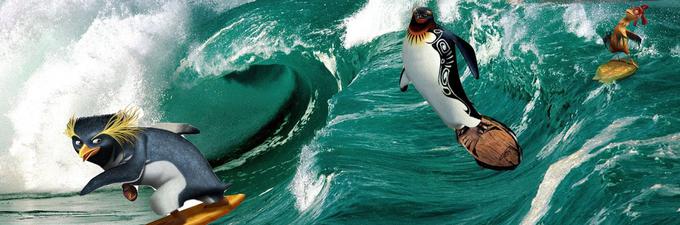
x: 617, y: 39
x: 132, y: 155
x: 429, y: 58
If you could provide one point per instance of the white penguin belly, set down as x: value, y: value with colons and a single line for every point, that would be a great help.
x: 168, y: 182
x: 422, y: 63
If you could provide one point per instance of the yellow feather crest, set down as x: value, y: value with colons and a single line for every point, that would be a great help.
x: 70, y: 127
x: 123, y: 126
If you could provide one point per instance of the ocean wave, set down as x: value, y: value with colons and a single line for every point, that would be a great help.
x: 448, y: 10
x: 308, y: 186
x: 675, y: 51
x: 104, y: 70
x: 581, y: 23
x: 559, y: 170
x: 376, y: 18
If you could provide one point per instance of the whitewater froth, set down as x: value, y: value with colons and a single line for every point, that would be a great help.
x: 103, y: 70
x: 376, y: 18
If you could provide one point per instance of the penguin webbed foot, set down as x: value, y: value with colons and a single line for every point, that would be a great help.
x: 492, y: 144
x: 177, y: 218
x: 219, y: 203
x: 468, y: 137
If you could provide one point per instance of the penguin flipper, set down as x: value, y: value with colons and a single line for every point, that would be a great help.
x: 606, y: 38
x: 178, y: 128
x: 125, y: 173
x: 468, y: 54
x: 403, y: 81
x: 492, y: 144
x: 634, y: 37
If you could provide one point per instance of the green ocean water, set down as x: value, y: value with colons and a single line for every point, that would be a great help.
x: 299, y: 106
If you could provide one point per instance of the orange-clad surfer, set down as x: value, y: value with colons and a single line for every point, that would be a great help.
x: 617, y: 40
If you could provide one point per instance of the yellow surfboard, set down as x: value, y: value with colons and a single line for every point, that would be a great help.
x: 200, y: 214
x: 613, y: 70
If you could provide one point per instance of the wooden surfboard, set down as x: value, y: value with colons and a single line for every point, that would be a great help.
x: 492, y: 144
x: 613, y: 70
x: 200, y: 214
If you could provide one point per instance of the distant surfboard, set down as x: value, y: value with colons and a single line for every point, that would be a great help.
x: 199, y: 214
x: 614, y: 70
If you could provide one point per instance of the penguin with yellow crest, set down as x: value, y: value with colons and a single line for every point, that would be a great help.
x: 158, y: 157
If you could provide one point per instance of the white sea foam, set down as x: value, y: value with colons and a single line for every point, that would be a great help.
x: 599, y: 217
x: 376, y: 18
x: 33, y: 32
x: 665, y: 190
x: 220, y: 6
x: 529, y: 107
x: 650, y: 51
x: 448, y: 10
x: 196, y: 54
x: 491, y: 46
x: 262, y: 42
x: 100, y: 71
x: 581, y: 24
x: 328, y: 60
x: 378, y: 109
x: 675, y: 51
x: 594, y: 93
x: 308, y: 186
x: 513, y: 32
x: 557, y: 139
x: 559, y: 170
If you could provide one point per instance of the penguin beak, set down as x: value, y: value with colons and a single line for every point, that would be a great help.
x: 420, y: 18
x: 630, y: 12
x: 86, y: 152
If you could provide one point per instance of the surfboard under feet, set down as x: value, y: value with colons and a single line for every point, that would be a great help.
x: 615, y: 69
x: 203, y: 213
x: 492, y: 144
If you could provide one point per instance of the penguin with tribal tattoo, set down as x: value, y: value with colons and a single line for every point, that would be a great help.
x: 429, y: 56
x: 158, y: 157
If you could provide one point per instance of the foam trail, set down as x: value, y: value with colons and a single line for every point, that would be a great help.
x: 101, y: 71
x: 559, y: 138
x: 529, y: 107
x: 307, y: 186
x: 559, y: 170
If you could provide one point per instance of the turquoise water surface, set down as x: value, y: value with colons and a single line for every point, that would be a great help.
x: 299, y: 106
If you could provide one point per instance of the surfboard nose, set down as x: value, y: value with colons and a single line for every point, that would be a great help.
x: 492, y: 144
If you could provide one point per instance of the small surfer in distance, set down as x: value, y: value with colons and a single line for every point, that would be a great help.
x: 617, y: 40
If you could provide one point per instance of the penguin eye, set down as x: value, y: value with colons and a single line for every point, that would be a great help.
x: 78, y: 142
x: 96, y: 141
